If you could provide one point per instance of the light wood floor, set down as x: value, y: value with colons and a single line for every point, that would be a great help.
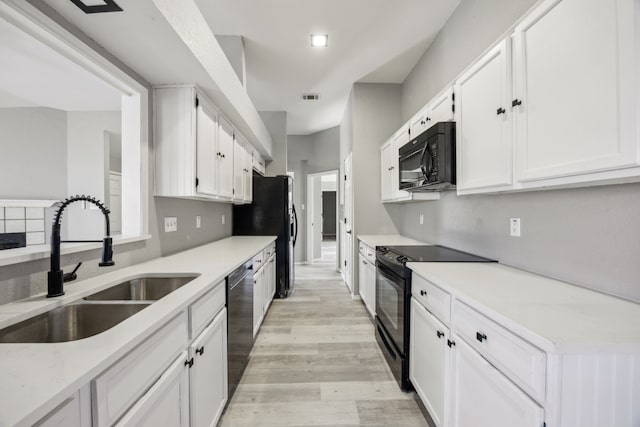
x: 316, y: 362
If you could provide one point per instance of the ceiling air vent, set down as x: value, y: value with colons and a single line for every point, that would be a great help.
x: 310, y: 96
x: 97, y: 6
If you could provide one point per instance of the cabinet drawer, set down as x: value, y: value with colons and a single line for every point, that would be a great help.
x: 115, y: 390
x: 371, y: 254
x: 433, y: 298
x: 270, y: 250
x: 363, y: 248
x: 258, y: 261
x: 519, y: 360
x: 202, y: 311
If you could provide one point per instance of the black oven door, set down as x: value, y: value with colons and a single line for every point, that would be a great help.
x: 390, y: 304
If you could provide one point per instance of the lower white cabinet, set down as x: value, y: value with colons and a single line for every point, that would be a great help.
x: 367, y: 284
x: 208, y: 373
x: 258, y: 303
x: 429, y: 361
x: 73, y: 412
x: 166, y: 403
x: 264, y: 285
x: 483, y: 397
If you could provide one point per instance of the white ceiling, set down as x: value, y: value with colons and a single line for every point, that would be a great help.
x: 31, y: 74
x: 376, y: 41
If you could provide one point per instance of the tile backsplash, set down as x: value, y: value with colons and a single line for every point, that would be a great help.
x: 27, y: 220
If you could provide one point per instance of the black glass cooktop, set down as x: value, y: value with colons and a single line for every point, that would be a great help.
x: 436, y: 253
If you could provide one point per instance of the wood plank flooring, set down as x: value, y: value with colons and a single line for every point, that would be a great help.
x: 315, y: 362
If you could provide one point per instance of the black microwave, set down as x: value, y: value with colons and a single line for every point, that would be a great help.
x: 428, y: 162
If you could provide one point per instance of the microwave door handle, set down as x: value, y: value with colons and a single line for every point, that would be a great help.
x: 423, y: 168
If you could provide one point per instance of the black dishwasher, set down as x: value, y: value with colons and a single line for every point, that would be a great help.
x: 239, y: 322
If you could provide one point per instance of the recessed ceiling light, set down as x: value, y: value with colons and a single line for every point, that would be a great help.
x: 310, y: 96
x: 97, y: 6
x: 319, y: 40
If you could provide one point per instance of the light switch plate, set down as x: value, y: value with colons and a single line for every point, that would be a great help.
x: 170, y: 224
x: 198, y: 221
x: 223, y: 220
x: 421, y: 219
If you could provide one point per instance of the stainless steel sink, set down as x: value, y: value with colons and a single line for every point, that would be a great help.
x: 141, y: 289
x: 69, y: 323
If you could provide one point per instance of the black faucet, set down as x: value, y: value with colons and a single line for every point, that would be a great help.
x: 56, y: 277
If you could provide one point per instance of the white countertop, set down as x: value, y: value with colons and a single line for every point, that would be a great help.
x: 35, y: 378
x: 388, y: 240
x: 554, y: 315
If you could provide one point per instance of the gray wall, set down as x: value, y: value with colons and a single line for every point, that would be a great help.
x: 21, y: 280
x: 276, y: 123
x: 318, y: 152
x: 471, y: 29
x: 587, y: 236
x: 33, y: 156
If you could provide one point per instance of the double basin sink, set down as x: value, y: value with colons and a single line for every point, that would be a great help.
x: 95, y: 314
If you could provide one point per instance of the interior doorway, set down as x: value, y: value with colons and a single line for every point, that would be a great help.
x: 322, y: 217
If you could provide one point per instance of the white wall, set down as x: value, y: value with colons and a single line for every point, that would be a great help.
x: 33, y: 153
x: 276, y: 123
x: 586, y: 236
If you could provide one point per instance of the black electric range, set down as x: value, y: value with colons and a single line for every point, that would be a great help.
x: 393, y: 299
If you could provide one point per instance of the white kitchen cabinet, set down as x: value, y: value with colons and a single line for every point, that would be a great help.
x: 575, y: 83
x: 258, y: 162
x: 481, y: 396
x: 270, y: 282
x: 483, y: 123
x: 166, y: 402
x: 258, y: 300
x: 386, y: 156
x: 429, y: 361
x: 441, y: 108
x: 421, y: 121
x: 208, y: 373
x: 367, y: 281
x: 248, y: 172
x: 225, y: 158
x: 239, y: 153
x: 73, y: 412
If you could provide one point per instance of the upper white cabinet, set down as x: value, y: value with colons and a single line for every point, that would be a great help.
x: 242, y: 175
x: 194, y: 148
x: 575, y: 88
x: 439, y: 109
x: 483, y: 123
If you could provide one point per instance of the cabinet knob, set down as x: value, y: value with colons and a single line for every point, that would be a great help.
x: 516, y: 102
x: 422, y: 122
x: 440, y: 334
x: 451, y: 343
x: 501, y: 111
x: 200, y: 351
x: 480, y: 336
x: 428, y: 119
x: 423, y: 293
x: 188, y: 362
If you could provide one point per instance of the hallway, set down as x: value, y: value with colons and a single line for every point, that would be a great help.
x: 315, y: 362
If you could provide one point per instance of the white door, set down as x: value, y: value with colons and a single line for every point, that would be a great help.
x: 166, y: 403
x: 481, y: 396
x: 483, y: 122
x: 225, y: 159
x: 441, y: 108
x: 429, y: 361
x: 576, y: 80
x: 115, y: 202
x: 238, y: 171
x: 208, y: 374
x: 206, y: 150
x: 348, y: 225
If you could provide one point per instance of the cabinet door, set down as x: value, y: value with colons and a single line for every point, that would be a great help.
x: 441, y: 108
x: 208, y: 374
x: 420, y: 122
x: 576, y: 80
x: 166, y: 403
x: 73, y: 412
x: 238, y: 171
x: 206, y: 152
x: 370, y: 271
x: 362, y: 278
x: 481, y: 396
x: 483, y: 122
x: 399, y: 140
x: 258, y: 306
x: 385, y: 173
x: 429, y: 360
x: 248, y: 174
x: 225, y: 159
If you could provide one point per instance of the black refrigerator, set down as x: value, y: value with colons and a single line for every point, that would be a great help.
x: 272, y: 213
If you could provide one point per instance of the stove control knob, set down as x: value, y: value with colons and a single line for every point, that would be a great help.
x: 383, y: 249
x: 402, y: 259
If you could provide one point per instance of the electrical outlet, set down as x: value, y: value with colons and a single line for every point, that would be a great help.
x: 198, y: 221
x: 421, y: 219
x: 514, y: 225
x: 170, y: 224
x: 223, y: 220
